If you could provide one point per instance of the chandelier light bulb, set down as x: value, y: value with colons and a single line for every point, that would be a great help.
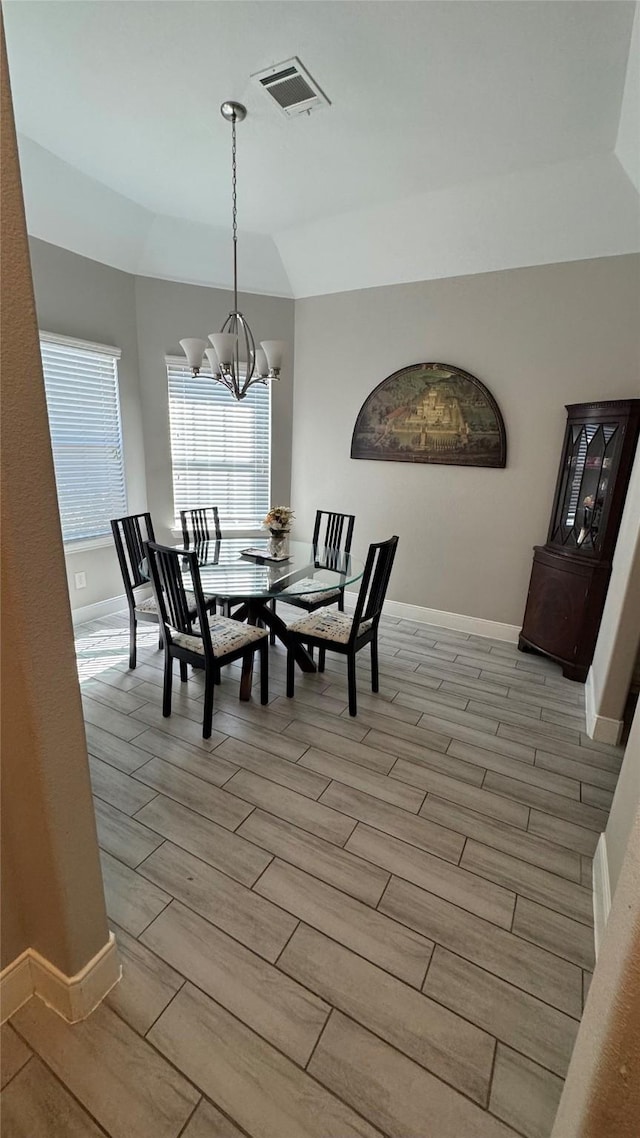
x: 274, y: 351
x: 224, y: 344
x: 194, y: 351
x: 214, y: 362
x: 262, y: 367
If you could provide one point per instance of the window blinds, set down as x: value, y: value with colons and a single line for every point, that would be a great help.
x: 221, y: 449
x: 81, y: 385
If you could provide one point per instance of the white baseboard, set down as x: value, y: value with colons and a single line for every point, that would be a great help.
x: 98, y: 609
x: 473, y: 625
x: 458, y: 622
x: 599, y: 727
x: 72, y: 997
x: 601, y: 891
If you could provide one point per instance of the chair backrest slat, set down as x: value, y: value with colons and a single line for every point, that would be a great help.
x: 167, y: 567
x: 375, y: 579
x: 202, y: 523
x: 129, y: 534
x: 329, y: 529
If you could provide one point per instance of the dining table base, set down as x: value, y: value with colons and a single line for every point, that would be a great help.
x: 258, y: 612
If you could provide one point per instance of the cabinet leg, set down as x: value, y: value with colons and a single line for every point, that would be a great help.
x: 524, y: 647
x: 577, y: 672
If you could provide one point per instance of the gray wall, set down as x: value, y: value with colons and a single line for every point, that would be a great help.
x: 539, y: 338
x: 82, y: 298
x: 146, y: 318
x: 166, y: 313
x: 619, y: 636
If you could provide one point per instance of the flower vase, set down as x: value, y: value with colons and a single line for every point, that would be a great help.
x: 279, y: 542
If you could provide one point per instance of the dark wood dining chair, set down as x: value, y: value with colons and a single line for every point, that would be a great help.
x: 334, y: 629
x: 332, y: 533
x: 201, y: 524
x: 129, y: 534
x: 201, y: 527
x: 199, y: 639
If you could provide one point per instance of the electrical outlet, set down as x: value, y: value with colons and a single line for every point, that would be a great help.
x: 81, y: 580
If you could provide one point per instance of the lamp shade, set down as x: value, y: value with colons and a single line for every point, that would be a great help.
x: 262, y: 367
x: 210, y: 353
x: 274, y: 351
x: 194, y: 351
x: 225, y: 346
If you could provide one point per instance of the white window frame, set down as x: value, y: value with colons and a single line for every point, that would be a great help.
x: 104, y: 537
x: 229, y: 527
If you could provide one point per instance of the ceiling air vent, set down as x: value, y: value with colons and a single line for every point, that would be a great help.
x: 291, y: 87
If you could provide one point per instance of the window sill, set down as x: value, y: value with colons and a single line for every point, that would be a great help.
x: 87, y: 543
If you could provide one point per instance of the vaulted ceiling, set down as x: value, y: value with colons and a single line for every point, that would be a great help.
x: 461, y: 136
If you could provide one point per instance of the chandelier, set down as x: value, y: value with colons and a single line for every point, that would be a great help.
x: 234, y: 359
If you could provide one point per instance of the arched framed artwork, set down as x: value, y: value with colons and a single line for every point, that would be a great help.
x: 432, y: 413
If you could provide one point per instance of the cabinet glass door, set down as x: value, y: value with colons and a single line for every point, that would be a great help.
x: 591, y: 451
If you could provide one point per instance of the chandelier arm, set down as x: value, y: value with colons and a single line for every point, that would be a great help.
x: 225, y: 381
x: 250, y: 383
x: 235, y: 370
x: 250, y: 347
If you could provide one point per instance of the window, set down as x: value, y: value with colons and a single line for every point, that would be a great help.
x: 81, y: 385
x: 221, y: 449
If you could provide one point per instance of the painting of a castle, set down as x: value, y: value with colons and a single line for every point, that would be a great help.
x: 431, y: 413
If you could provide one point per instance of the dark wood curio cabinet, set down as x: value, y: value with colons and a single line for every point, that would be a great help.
x: 571, y: 572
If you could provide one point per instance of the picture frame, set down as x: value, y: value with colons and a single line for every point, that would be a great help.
x: 431, y: 413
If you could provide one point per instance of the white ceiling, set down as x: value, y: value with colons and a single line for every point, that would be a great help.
x: 428, y: 98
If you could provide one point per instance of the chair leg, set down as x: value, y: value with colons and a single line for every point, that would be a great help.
x: 341, y: 601
x: 208, y: 703
x: 160, y: 636
x: 375, y: 685
x: 184, y: 675
x: 291, y: 666
x: 132, y: 640
x: 264, y: 670
x: 351, y: 679
x: 322, y: 652
x: 168, y: 678
x: 272, y: 635
x: 246, y: 676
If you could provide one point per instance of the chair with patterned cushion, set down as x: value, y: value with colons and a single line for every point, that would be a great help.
x: 332, y: 534
x: 334, y: 629
x: 200, y: 639
x: 129, y: 535
x: 203, y: 524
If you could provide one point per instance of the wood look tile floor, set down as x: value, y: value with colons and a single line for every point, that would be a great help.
x: 330, y: 927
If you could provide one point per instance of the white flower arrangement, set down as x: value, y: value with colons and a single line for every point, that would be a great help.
x: 279, y: 518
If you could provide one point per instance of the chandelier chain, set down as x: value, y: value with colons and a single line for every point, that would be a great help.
x: 234, y: 176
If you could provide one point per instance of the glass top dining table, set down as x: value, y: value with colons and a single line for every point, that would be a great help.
x: 228, y: 573
x: 254, y: 583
